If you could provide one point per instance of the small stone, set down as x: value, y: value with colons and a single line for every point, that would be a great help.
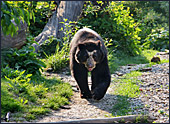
x: 155, y: 59
x: 131, y: 64
x: 119, y: 74
x: 49, y: 69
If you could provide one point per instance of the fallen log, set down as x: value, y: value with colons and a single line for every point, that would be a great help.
x: 121, y: 119
x: 145, y: 69
x: 129, y: 118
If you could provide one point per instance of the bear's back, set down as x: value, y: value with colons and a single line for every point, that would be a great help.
x: 85, y: 34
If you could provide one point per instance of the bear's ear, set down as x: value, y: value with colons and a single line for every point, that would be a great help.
x: 99, y: 44
x: 81, y: 46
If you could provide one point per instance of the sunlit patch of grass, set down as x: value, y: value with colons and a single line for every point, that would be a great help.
x: 8, y: 100
x: 122, y: 59
x: 127, y: 85
x: 35, y: 98
x: 35, y: 111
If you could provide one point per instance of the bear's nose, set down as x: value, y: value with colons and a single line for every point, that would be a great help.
x: 90, y: 66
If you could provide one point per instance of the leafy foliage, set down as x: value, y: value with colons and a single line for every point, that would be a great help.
x: 23, y: 92
x: 149, y: 16
x: 115, y: 23
x: 158, y: 39
x: 43, y: 11
x: 128, y: 24
x: 60, y: 59
x: 23, y: 59
x: 11, y: 11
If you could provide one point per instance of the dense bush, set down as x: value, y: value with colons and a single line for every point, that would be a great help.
x: 22, y: 59
x: 149, y: 16
x: 158, y: 39
x: 113, y: 22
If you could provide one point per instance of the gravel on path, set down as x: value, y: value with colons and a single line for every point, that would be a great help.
x: 153, y: 100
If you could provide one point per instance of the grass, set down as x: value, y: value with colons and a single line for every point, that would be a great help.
x: 121, y: 107
x: 125, y: 88
x: 121, y: 59
x: 8, y: 102
x: 127, y: 85
x: 34, y: 98
x: 59, y: 59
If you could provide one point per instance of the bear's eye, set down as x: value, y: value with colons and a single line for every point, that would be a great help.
x: 95, y: 56
x: 86, y: 55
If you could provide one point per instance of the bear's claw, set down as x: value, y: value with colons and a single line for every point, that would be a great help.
x: 86, y: 96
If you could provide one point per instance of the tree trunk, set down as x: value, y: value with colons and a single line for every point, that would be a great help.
x: 17, y: 41
x: 67, y: 9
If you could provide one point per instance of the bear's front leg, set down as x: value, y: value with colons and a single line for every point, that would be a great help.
x: 100, y: 81
x: 81, y: 76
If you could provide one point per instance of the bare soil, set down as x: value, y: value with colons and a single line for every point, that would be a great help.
x: 88, y: 108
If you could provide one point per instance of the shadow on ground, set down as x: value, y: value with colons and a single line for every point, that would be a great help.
x: 117, y: 105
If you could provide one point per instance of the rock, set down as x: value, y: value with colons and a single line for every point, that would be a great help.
x: 7, y: 118
x: 49, y: 70
x: 163, y: 53
x: 17, y: 41
x: 131, y: 64
x: 119, y: 74
x: 155, y: 59
x: 146, y: 69
x: 65, y: 107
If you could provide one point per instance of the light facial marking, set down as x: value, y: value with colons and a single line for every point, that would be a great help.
x: 90, y: 63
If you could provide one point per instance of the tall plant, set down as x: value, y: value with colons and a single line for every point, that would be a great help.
x: 60, y: 59
x: 114, y: 22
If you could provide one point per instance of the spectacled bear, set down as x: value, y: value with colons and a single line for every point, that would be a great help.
x: 88, y: 54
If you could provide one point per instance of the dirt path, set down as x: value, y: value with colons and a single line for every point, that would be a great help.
x: 82, y: 108
x: 155, y: 85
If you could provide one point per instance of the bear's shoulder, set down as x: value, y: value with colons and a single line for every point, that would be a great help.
x: 86, y: 34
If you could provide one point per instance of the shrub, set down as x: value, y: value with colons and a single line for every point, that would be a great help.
x: 149, y: 15
x: 158, y: 39
x: 113, y: 22
x: 60, y: 59
x: 23, y: 59
x: 13, y: 11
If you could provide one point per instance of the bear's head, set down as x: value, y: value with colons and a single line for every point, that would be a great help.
x: 89, y: 53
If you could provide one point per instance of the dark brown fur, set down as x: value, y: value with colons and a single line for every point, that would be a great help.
x: 88, y: 41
